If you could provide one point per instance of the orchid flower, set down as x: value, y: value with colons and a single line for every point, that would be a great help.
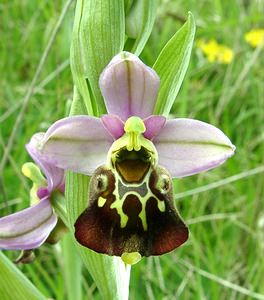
x: 132, y: 156
x: 29, y: 228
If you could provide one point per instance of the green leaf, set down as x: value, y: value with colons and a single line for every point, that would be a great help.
x: 128, y: 4
x: 172, y: 65
x: 72, y: 268
x: 76, y: 59
x: 13, y: 283
x: 98, y: 34
x: 77, y: 106
x: 139, y: 22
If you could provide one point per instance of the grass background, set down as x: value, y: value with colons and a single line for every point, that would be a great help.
x: 223, y: 258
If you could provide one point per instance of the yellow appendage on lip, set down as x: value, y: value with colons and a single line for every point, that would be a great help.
x: 131, y: 258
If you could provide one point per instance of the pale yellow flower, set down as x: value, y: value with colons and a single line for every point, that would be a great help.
x: 216, y: 52
x: 255, y: 37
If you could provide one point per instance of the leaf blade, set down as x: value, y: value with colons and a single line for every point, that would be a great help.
x: 72, y: 269
x: 171, y: 65
x: 143, y: 15
x: 14, y: 284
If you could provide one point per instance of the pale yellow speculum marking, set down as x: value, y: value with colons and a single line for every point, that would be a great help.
x: 118, y: 203
x: 118, y: 206
x: 101, y: 201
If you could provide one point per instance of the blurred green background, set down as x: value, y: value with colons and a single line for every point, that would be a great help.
x: 223, y: 258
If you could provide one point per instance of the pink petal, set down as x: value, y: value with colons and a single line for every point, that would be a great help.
x: 43, y: 192
x: 153, y: 124
x: 187, y: 147
x: 78, y: 143
x: 29, y: 228
x: 114, y: 125
x: 54, y: 175
x: 129, y: 87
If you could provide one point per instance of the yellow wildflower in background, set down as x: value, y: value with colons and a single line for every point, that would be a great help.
x: 216, y: 52
x: 254, y: 37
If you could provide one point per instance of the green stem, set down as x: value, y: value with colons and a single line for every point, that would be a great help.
x: 72, y: 269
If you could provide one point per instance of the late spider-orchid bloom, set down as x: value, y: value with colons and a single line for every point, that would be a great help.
x: 132, y: 155
x: 30, y: 227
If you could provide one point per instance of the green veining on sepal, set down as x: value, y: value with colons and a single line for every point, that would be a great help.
x: 20, y: 231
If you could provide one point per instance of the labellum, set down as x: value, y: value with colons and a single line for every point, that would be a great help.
x: 131, y: 208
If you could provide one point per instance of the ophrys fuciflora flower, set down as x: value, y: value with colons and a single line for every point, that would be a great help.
x: 132, y: 156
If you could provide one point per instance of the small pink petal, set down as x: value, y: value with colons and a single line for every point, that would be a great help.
x: 153, y: 124
x: 186, y: 147
x: 129, y: 87
x: 29, y: 228
x: 43, y: 192
x: 114, y: 125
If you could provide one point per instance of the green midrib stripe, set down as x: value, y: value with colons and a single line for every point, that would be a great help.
x: 72, y: 140
x: 161, y: 142
x: 194, y: 143
x: 25, y: 232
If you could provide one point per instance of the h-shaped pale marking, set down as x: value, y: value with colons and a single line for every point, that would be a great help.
x: 118, y: 203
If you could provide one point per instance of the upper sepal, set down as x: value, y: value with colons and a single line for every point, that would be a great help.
x: 129, y: 87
